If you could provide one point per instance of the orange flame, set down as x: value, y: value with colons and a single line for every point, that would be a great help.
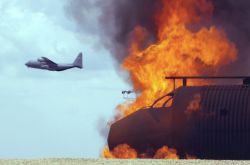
x: 178, y: 51
x: 124, y: 151
x: 166, y: 153
x: 183, y: 48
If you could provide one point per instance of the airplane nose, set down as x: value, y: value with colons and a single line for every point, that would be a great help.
x: 27, y: 63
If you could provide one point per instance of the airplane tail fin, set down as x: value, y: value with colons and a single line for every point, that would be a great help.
x: 78, y: 61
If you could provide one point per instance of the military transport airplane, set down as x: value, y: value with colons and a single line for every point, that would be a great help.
x: 46, y: 64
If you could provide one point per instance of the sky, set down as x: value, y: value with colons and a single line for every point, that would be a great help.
x: 52, y: 114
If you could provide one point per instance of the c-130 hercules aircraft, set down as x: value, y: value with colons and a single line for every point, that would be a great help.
x: 46, y: 64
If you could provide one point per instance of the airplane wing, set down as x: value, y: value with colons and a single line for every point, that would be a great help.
x: 49, y: 62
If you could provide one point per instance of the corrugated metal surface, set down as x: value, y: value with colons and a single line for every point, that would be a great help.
x: 220, y: 129
x: 224, y: 130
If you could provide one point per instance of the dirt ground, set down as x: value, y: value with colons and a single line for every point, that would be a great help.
x: 118, y: 162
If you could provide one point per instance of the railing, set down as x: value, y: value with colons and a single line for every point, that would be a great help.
x: 245, y: 79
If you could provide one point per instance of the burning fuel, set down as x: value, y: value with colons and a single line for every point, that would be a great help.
x: 157, y: 38
x: 182, y: 47
x: 124, y: 151
x: 178, y: 50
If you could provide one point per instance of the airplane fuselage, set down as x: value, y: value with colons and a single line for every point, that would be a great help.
x: 46, y: 64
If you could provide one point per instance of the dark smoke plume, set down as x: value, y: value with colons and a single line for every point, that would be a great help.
x: 234, y: 17
x: 118, y: 18
x: 127, y: 14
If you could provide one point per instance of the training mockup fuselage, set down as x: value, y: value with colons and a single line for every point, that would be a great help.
x: 46, y: 64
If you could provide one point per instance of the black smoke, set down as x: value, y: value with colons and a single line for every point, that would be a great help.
x: 234, y: 17
x: 118, y: 18
x: 127, y: 14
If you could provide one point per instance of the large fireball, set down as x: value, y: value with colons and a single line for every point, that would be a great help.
x: 183, y: 47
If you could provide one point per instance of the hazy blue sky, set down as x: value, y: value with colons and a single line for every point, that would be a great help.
x: 50, y: 114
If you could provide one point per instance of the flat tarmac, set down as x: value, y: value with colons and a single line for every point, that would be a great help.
x: 119, y: 162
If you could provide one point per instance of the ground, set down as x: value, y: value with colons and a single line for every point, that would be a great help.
x: 118, y: 162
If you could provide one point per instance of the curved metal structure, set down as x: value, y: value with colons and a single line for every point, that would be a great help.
x: 210, y: 122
